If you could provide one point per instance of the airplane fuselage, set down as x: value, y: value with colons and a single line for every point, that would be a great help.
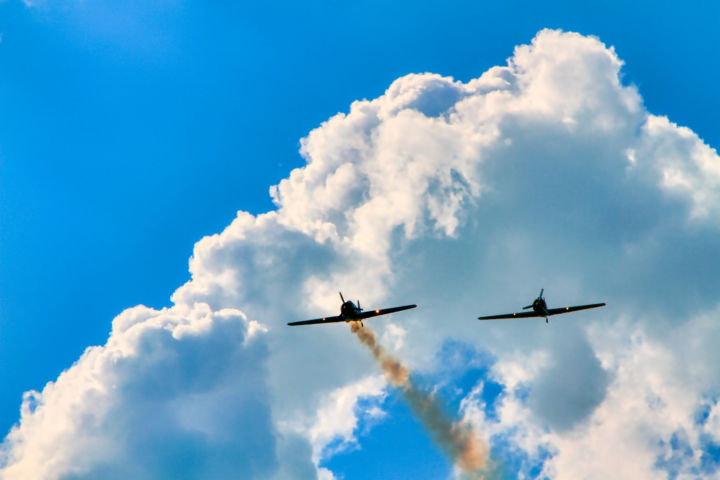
x: 349, y: 311
x: 539, y: 306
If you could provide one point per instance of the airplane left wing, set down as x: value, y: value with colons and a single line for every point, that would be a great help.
x: 315, y: 321
x: 383, y: 311
x: 511, y: 315
x: 556, y: 311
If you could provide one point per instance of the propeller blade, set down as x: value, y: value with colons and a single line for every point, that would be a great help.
x: 359, y: 304
x: 529, y: 306
x: 341, y: 297
x: 541, y: 292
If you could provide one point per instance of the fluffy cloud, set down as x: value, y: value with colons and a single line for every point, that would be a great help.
x: 172, y: 392
x: 463, y: 197
x: 655, y: 420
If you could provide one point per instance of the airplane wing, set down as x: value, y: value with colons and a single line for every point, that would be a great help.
x: 552, y: 311
x: 318, y: 320
x: 383, y: 311
x: 511, y: 315
x: 556, y: 311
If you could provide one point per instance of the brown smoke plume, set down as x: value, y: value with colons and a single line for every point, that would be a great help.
x: 457, y: 439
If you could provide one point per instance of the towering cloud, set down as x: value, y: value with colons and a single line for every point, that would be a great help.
x: 465, y: 198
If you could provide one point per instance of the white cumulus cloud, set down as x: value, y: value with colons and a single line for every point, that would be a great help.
x: 466, y: 198
x: 180, y: 391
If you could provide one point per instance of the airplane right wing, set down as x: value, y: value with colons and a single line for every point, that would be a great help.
x: 383, y: 311
x: 511, y: 315
x: 316, y: 321
x: 556, y: 311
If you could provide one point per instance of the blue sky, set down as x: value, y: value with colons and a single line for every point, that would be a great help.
x: 127, y: 133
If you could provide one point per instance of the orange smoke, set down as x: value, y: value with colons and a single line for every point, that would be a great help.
x: 457, y: 439
x: 393, y: 369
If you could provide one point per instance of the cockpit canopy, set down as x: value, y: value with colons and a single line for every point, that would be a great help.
x: 348, y: 308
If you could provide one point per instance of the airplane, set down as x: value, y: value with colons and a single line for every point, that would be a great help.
x: 539, y: 309
x: 349, y: 312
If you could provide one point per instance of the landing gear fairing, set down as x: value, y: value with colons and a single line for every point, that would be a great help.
x: 539, y: 309
x: 349, y: 312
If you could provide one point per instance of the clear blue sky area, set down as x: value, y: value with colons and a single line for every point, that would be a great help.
x: 129, y: 130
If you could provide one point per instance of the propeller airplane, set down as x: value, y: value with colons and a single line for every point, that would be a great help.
x: 349, y: 312
x: 539, y: 309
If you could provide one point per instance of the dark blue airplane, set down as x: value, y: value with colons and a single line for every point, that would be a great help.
x: 349, y: 312
x: 539, y: 309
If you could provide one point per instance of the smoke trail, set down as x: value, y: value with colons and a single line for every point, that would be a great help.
x: 456, y: 439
